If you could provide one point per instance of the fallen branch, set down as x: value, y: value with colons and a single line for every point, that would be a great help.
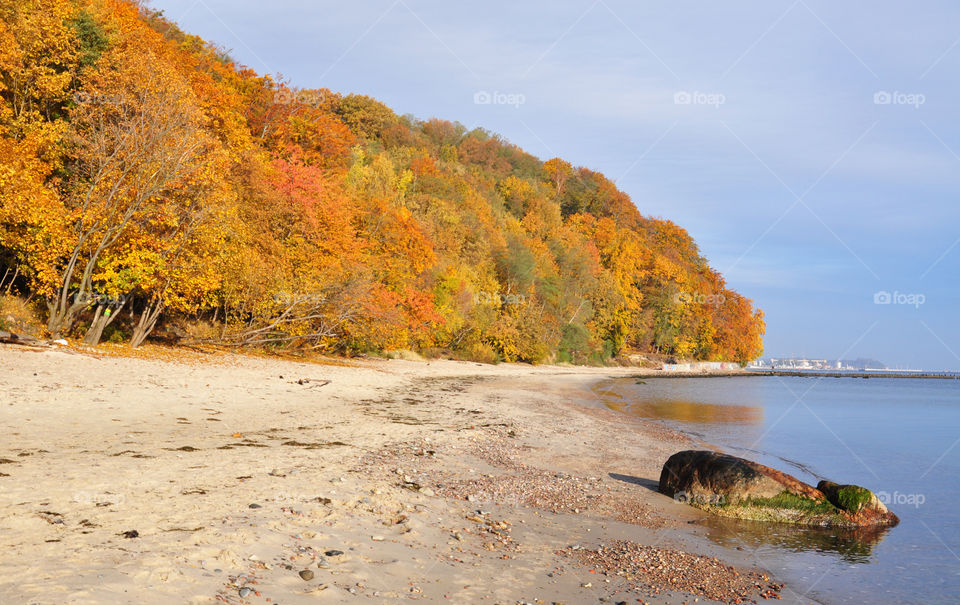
x: 15, y: 339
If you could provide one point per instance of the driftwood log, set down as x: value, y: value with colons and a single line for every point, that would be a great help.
x: 15, y: 339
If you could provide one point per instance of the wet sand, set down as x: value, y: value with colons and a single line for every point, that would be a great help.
x: 188, y: 478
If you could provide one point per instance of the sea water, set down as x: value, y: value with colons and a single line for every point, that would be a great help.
x: 899, y: 437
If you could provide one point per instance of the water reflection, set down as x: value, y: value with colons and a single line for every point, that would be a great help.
x: 735, y: 423
x: 679, y: 410
x: 852, y: 545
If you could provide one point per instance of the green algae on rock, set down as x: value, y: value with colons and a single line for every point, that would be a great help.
x: 735, y: 487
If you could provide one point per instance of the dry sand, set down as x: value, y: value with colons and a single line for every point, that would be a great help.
x: 441, y: 482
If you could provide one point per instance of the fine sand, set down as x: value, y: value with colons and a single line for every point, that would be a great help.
x: 191, y: 478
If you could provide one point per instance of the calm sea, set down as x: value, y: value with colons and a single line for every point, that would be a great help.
x: 898, y: 437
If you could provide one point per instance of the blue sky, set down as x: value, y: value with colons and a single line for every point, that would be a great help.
x: 808, y: 146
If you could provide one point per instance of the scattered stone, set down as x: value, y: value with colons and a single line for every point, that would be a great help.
x: 130, y: 534
x: 306, y: 575
x: 333, y: 553
x: 255, y: 506
x: 243, y: 592
x: 653, y: 571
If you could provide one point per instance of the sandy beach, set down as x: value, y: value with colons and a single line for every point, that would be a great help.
x: 235, y: 479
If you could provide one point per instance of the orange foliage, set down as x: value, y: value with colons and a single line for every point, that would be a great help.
x: 312, y: 219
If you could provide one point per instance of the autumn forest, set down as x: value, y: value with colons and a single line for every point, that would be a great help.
x: 151, y: 188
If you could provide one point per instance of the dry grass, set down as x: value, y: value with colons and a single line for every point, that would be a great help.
x: 19, y: 316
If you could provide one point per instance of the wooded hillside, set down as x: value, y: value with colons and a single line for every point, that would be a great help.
x: 149, y: 184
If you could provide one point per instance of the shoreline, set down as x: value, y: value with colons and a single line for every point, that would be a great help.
x: 231, y: 468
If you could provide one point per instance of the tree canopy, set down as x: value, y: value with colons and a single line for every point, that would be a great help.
x: 147, y: 180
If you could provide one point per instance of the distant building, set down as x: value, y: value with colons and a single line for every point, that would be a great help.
x: 803, y: 363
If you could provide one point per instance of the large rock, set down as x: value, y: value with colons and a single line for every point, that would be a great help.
x: 736, y: 487
x: 710, y: 476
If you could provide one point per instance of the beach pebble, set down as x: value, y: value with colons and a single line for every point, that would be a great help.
x: 377, y: 538
x: 426, y: 491
x: 306, y: 574
x: 333, y: 553
x: 255, y: 506
x: 243, y: 592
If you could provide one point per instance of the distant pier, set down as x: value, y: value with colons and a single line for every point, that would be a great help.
x: 881, y: 374
x: 728, y: 373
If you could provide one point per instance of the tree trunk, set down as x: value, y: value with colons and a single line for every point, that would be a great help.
x: 6, y: 273
x: 146, y: 324
x: 102, y: 318
x: 62, y: 315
